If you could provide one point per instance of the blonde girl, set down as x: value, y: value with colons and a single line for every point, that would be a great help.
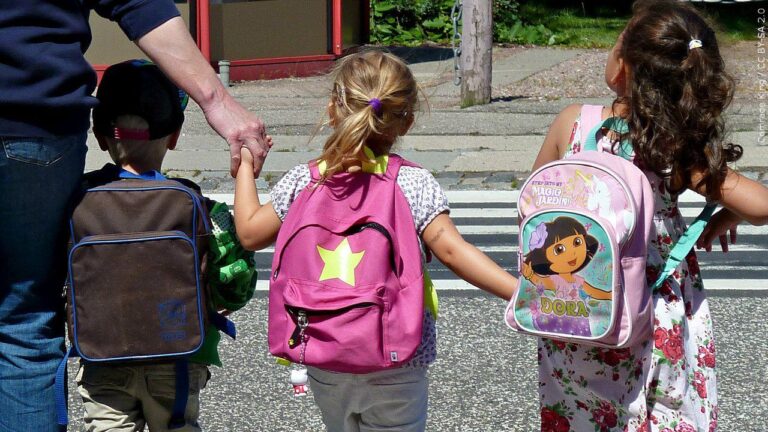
x: 373, y: 102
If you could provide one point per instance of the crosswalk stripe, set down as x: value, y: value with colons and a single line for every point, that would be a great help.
x: 483, y: 213
x: 709, y: 285
x: 463, y: 197
x: 722, y: 285
x: 477, y: 206
x: 514, y: 248
x: 474, y: 212
x: 513, y: 229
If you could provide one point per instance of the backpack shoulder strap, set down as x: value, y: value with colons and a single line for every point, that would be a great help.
x: 591, y: 116
x: 616, y: 124
x: 684, y: 244
x: 394, y: 162
x: 314, y: 170
x: 406, y: 162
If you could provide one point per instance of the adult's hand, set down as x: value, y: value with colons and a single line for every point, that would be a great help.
x: 240, y: 128
x: 171, y: 47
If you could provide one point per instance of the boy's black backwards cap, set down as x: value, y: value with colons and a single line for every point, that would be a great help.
x: 138, y: 87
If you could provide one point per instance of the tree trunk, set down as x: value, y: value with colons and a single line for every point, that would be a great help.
x: 476, y: 45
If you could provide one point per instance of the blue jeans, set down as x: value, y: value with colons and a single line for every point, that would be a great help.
x: 38, y: 177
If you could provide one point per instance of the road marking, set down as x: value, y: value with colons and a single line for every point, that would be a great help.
x: 513, y: 229
x: 514, y: 249
x: 463, y: 197
x: 722, y: 285
x: 709, y: 285
x: 481, y: 213
x: 478, y: 214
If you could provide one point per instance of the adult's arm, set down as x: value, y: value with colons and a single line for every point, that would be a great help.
x: 171, y: 47
x: 155, y: 26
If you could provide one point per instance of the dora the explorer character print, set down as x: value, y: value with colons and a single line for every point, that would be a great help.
x: 558, y: 250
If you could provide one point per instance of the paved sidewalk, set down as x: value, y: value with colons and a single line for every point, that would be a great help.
x: 483, y: 147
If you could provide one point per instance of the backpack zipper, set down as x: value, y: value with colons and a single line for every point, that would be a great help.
x: 302, y: 320
x: 381, y: 230
x: 359, y: 228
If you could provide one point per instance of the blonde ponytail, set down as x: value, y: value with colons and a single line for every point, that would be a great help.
x: 374, y: 98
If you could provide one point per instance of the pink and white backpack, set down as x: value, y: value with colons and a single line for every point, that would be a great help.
x: 347, y: 290
x: 585, y: 227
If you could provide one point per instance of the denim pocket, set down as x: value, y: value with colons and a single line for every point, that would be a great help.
x: 38, y: 151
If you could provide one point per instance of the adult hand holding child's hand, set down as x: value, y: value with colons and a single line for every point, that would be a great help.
x: 247, y: 158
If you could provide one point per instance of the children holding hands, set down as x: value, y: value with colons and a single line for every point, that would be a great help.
x: 671, y: 90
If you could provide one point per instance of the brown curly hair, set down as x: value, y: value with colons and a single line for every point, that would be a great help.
x: 677, y: 95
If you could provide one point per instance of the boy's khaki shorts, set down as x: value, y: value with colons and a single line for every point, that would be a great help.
x: 128, y: 397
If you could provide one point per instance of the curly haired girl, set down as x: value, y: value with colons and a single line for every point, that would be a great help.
x: 671, y: 89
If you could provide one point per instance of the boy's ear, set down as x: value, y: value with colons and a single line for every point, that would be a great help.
x: 173, y: 139
x: 103, y: 145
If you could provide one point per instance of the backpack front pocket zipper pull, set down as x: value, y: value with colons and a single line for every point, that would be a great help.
x: 302, y: 322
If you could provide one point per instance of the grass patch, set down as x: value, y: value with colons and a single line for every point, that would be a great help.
x: 571, y: 27
x: 599, y: 27
x: 578, y: 24
x: 733, y: 22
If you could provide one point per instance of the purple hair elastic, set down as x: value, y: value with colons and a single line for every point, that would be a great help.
x: 376, y: 104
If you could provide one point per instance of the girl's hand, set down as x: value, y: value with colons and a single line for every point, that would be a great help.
x: 247, y: 159
x: 722, y: 222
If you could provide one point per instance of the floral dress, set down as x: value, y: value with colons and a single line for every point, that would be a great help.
x: 666, y: 384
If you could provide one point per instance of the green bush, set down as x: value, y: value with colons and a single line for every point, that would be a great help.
x: 413, y: 22
x: 409, y: 22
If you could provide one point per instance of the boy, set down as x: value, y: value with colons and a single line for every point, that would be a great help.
x: 138, y: 119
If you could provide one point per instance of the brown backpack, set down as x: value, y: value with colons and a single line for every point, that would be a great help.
x: 137, y: 263
x: 137, y: 286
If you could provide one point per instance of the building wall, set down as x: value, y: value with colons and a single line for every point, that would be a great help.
x: 110, y: 45
x: 269, y: 28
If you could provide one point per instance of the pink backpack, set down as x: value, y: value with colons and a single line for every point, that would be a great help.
x: 347, y: 290
x: 585, y: 226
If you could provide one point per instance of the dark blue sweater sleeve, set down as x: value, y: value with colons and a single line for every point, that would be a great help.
x: 136, y: 17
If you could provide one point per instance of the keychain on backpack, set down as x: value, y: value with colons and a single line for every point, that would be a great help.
x: 299, y: 375
x: 299, y: 381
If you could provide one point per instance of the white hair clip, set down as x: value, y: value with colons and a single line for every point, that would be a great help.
x: 694, y: 43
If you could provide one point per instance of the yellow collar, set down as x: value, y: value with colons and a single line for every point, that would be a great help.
x: 378, y: 166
